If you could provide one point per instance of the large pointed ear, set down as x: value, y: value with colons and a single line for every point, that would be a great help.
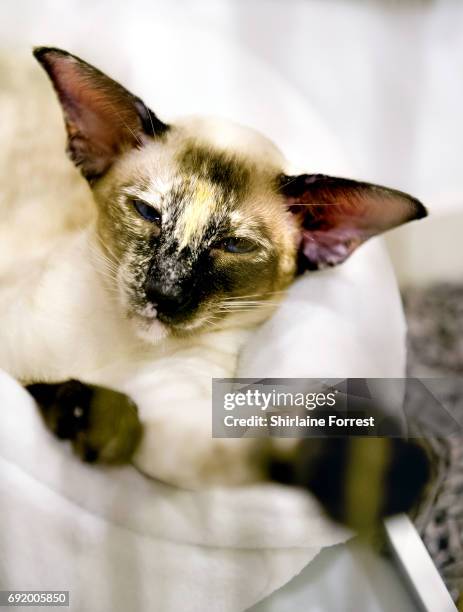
x: 102, y: 118
x: 336, y: 215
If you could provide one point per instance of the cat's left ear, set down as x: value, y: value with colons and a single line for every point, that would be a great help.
x: 336, y: 215
x: 102, y: 118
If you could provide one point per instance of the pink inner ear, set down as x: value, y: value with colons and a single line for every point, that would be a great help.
x: 329, y: 247
x: 94, y: 111
x: 331, y: 231
x: 337, y: 215
x: 101, y: 117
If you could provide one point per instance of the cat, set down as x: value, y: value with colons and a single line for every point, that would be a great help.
x: 135, y: 274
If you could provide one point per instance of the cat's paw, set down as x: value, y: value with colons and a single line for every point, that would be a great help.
x: 102, y: 424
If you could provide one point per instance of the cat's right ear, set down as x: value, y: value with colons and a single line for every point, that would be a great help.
x: 102, y: 118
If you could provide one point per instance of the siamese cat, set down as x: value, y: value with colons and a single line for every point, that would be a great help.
x: 133, y: 275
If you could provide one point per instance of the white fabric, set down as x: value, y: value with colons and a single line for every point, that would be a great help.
x: 116, y: 540
x: 120, y: 542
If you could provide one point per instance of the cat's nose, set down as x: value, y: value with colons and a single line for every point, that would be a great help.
x: 171, y: 301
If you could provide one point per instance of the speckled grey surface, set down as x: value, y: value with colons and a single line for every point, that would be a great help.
x: 435, y: 349
x: 435, y: 325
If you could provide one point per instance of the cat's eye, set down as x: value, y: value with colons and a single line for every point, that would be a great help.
x: 147, y: 211
x: 237, y: 246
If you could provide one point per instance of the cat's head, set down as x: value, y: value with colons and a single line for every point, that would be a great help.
x: 198, y: 220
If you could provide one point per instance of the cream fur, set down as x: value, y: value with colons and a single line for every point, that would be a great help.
x: 57, y: 319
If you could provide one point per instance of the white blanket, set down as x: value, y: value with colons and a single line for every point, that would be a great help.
x: 119, y: 542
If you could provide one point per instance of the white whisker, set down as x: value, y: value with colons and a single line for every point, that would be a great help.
x: 259, y: 295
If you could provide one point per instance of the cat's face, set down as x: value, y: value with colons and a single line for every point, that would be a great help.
x: 197, y: 232
x: 197, y: 221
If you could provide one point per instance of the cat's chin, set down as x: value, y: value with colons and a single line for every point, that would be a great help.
x: 149, y: 329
